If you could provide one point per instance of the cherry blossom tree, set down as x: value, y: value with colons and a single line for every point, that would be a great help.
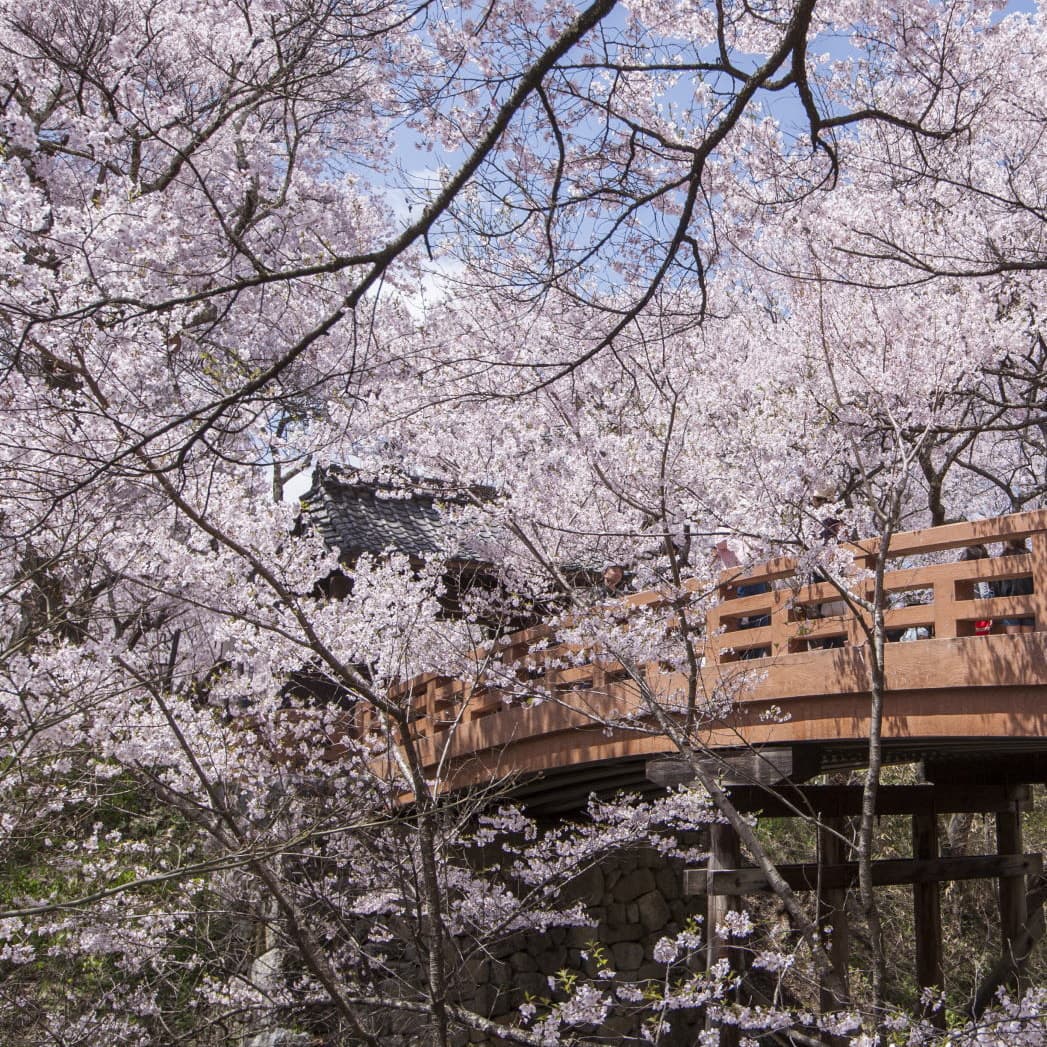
x: 669, y: 271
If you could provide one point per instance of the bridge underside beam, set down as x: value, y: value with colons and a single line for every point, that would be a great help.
x: 843, y: 801
x: 810, y: 876
x: 974, y: 768
x: 769, y: 765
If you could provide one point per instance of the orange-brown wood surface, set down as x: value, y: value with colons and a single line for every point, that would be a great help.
x: 954, y: 685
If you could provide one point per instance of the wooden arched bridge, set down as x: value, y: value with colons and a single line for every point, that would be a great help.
x: 965, y: 695
x: 784, y: 683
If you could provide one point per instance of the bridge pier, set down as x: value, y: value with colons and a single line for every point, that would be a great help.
x: 832, y: 911
x: 724, y: 853
x: 1021, y: 922
x: 832, y: 874
x: 1013, y: 914
x: 927, y: 913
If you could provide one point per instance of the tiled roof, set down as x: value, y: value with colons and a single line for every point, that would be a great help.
x: 357, y: 516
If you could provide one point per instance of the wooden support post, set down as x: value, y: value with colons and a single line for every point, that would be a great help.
x: 832, y: 911
x: 780, y: 643
x: 1039, y: 570
x: 927, y: 916
x: 713, y: 644
x: 599, y: 677
x: 428, y: 724
x: 724, y: 853
x: 944, y: 609
x: 855, y: 633
x: 1011, y: 964
x: 885, y: 871
x: 1012, y: 888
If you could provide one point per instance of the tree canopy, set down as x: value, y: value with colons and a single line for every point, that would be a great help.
x: 650, y: 276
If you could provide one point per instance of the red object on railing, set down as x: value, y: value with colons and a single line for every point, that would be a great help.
x: 983, y: 627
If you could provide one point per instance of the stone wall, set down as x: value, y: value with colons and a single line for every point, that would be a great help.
x: 633, y: 900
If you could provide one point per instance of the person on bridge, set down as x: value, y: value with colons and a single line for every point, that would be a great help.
x: 1016, y: 587
x: 980, y: 590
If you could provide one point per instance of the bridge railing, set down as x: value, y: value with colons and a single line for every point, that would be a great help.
x: 509, y: 675
x: 941, y: 597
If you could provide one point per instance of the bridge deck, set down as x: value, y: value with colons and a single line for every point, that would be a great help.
x: 801, y: 679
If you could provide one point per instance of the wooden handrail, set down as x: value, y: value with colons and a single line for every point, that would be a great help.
x: 950, y: 612
x: 955, y: 536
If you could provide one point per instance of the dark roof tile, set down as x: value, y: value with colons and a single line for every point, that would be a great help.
x: 357, y: 516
